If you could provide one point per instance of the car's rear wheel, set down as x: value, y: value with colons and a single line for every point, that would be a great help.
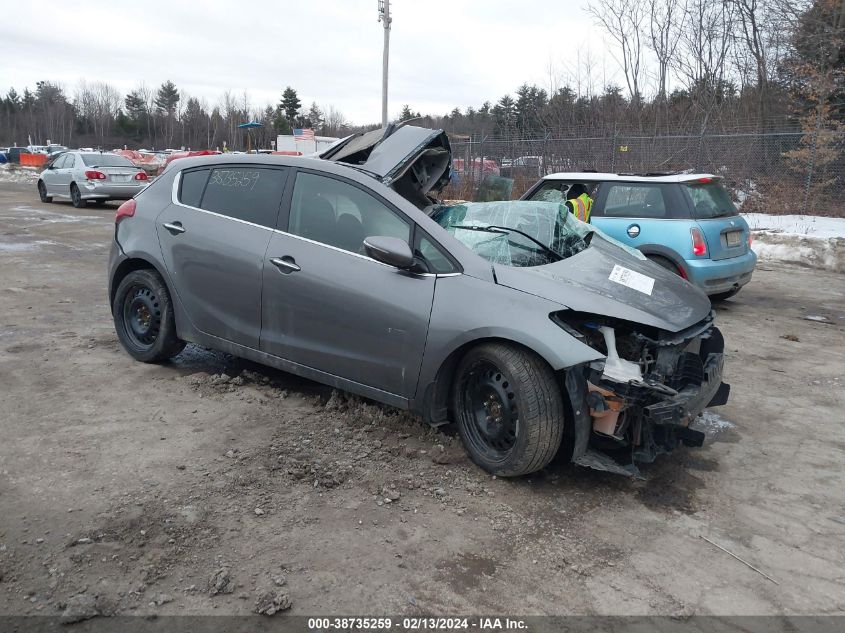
x: 76, y: 197
x: 508, y: 408
x: 42, y: 192
x: 667, y: 263
x: 143, y: 317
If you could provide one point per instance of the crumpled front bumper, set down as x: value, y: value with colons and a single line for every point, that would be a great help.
x: 649, y: 417
x: 683, y: 408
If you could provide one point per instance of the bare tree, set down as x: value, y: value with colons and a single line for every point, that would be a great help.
x: 623, y: 20
x: 666, y: 20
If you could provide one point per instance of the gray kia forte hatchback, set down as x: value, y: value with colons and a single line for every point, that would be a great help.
x: 530, y: 331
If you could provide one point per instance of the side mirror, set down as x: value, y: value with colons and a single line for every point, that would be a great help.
x: 389, y: 250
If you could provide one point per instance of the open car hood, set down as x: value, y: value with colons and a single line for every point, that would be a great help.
x: 595, y: 281
x: 414, y: 161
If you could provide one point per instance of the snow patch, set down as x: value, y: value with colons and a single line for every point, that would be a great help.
x: 812, y: 241
x: 712, y: 424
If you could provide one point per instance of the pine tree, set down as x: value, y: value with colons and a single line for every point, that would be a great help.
x: 167, y: 98
x: 290, y: 104
x: 314, y: 117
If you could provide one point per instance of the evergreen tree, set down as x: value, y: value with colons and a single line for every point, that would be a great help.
x: 167, y: 98
x: 314, y: 117
x: 290, y: 104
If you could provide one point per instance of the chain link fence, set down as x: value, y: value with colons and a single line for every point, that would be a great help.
x: 784, y: 172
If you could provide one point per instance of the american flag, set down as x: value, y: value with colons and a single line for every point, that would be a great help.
x: 303, y: 135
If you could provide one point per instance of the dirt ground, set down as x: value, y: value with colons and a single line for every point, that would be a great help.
x: 197, y: 486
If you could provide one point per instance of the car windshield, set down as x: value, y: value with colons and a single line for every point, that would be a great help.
x: 519, y: 233
x: 710, y: 200
x: 105, y: 160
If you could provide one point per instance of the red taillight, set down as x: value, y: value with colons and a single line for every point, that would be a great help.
x: 699, y: 246
x: 704, y: 181
x: 126, y: 210
x: 750, y: 239
x: 141, y: 175
x: 95, y: 175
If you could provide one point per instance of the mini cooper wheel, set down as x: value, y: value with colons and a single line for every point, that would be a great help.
x: 509, y: 409
x: 143, y: 317
x: 42, y: 192
x: 76, y: 197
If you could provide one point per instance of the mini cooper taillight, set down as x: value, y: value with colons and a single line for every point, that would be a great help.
x: 126, y: 210
x: 699, y: 246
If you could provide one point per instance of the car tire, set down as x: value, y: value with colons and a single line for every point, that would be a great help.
x: 144, y: 319
x: 722, y: 296
x: 667, y: 263
x: 76, y: 197
x: 509, y: 409
x: 42, y: 192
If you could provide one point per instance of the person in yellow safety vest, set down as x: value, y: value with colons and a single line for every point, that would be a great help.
x: 579, y: 202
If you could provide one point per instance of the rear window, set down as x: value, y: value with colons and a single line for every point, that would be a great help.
x: 635, y: 200
x: 105, y: 160
x: 710, y: 200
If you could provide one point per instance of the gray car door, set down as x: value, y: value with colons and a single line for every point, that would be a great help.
x: 213, y: 238
x: 328, y: 306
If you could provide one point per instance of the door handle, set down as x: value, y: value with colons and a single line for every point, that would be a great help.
x: 285, y: 264
x: 175, y: 228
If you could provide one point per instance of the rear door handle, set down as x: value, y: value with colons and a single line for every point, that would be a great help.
x: 286, y: 264
x: 175, y: 228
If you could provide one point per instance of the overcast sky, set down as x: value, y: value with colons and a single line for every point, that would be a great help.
x: 444, y: 53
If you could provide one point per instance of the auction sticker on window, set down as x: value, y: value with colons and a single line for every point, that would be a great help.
x: 632, y: 279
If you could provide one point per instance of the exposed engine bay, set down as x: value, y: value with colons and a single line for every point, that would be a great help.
x: 640, y: 401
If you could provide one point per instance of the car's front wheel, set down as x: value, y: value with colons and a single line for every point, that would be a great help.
x: 76, y: 197
x: 143, y: 317
x: 509, y: 409
x: 42, y: 192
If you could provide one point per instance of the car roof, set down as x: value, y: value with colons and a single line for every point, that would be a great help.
x: 261, y: 159
x: 591, y: 176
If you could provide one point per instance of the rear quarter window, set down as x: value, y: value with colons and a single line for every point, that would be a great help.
x: 192, y: 186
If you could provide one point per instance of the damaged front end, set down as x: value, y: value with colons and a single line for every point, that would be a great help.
x: 639, y: 402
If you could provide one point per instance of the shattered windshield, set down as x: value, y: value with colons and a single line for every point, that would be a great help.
x: 519, y: 233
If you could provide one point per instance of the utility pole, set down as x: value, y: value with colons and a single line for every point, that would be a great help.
x: 385, y: 19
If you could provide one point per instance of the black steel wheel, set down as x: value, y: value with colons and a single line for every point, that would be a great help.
x: 42, y: 192
x: 76, y: 197
x: 508, y: 408
x: 491, y: 408
x: 143, y: 317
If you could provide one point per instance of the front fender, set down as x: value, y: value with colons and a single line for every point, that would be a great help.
x: 467, y: 309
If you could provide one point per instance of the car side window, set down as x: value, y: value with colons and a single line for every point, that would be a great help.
x: 436, y: 260
x: 192, y: 186
x: 251, y: 194
x: 550, y: 191
x: 338, y: 214
x: 60, y: 162
x: 634, y: 200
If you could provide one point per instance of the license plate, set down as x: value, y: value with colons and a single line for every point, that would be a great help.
x: 120, y: 178
x: 734, y: 238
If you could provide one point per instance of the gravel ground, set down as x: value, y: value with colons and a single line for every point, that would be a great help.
x: 211, y: 485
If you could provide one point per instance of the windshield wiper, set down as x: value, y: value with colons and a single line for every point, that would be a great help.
x: 492, y: 228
